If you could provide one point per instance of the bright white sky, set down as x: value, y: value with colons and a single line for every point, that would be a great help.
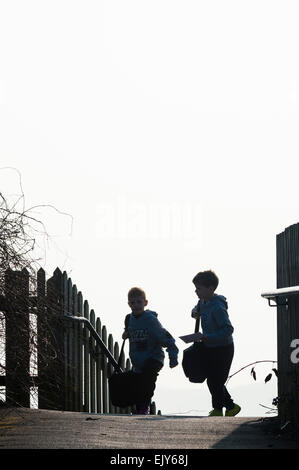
x: 168, y: 130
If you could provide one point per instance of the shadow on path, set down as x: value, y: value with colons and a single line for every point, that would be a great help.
x: 254, y: 434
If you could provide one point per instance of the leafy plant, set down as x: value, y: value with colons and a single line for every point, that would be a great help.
x: 267, y: 379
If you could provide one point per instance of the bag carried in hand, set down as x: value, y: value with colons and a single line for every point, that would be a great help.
x: 194, y: 361
x: 124, y: 386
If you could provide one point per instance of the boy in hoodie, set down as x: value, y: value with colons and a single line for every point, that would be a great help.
x: 217, y: 340
x: 147, y: 338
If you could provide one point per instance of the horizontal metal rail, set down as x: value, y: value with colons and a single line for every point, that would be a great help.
x: 98, y: 339
x: 284, y: 292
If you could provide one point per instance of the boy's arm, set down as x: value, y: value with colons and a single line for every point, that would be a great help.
x: 195, y: 313
x: 125, y: 334
x: 165, y: 339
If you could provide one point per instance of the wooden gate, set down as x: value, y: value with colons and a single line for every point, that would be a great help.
x: 287, y: 252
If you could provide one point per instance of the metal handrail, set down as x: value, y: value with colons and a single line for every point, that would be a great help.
x: 98, y: 339
x: 283, y: 292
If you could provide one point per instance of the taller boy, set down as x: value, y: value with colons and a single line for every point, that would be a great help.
x: 217, y: 339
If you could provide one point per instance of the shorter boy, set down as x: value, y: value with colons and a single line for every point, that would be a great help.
x: 147, y: 338
x: 217, y: 340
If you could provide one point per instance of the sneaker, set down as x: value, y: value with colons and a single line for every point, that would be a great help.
x: 216, y: 412
x: 234, y: 411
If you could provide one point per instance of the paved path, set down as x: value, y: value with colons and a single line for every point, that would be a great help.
x: 23, y: 428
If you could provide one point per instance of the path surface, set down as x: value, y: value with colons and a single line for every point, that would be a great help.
x: 23, y: 428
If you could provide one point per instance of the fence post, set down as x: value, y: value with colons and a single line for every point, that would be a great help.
x: 104, y: 373
x: 17, y: 338
x: 99, y: 369
x: 42, y: 341
x: 76, y: 395
x: 287, y: 267
x: 56, y: 360
x: 80, y: 346
x: 130, y: 409
x: 116, y: 357
x: 123, y: 366
x: 86, y: 359
x: 67, y: 334
x: 70, y: 350
x: 92, y: 365
x: 110, y: 368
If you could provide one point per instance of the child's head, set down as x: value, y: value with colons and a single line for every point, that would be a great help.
x: 206, y: 282
x: 137, y: 300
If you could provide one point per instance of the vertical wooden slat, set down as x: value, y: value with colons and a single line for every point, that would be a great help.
x: 92, y: 365
x: 296, y: 329
x: 104, y: 374
x: 17, y: 338
x: 55, y: 339
x: 86, y: 360
x: 59, y: 334
x: 294, y: 322
x: 80, y: 354
x: 67, y: 336
x: 71, y: 348
x: 98, y: 370
x: 153, y: 410
x: 280, y: 326
x: 283, y: 332
x: 110, y: 369
x: 42, y: 339
x: 75, y: 350
x: 287, y: 332
x: 116, y: 357
x: 128, y: 367
x: 123, y: 366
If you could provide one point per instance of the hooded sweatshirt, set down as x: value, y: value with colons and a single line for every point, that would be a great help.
x: 215, y: 322
x: 147, y: 338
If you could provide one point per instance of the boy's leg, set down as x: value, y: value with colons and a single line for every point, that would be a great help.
x: 147, y: 387
x: 227, y: 399
x: 219, y: 361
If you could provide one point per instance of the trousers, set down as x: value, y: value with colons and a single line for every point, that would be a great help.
x: 147, y: 381
x: 218, y: 363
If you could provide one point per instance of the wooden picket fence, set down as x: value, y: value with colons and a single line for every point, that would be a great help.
x: 60, y: 358
x: 287, y: 255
